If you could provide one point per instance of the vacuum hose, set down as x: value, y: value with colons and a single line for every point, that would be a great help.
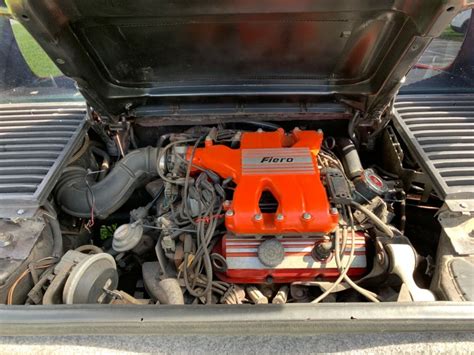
x: 78, y: 196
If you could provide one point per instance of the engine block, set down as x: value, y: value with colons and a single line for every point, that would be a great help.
x: 278, y: 244
x: 293, y: 259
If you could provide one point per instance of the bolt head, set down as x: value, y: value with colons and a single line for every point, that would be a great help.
x: 306, y: 216
x: 333, y: 211
x: 226, y: 203
x: 229, y: 213
x: 279, y: 217
x: 20, y: 211
x: 258, y: 217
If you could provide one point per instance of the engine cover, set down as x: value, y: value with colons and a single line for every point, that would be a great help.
x: 278, y: 246
x: 284, y: 165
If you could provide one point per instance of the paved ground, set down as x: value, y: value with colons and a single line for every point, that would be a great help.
x: 439, y: 54
x: 455, y: 343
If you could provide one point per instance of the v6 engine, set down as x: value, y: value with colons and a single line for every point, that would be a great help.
x: 232, y: 216
x: 285, y: 242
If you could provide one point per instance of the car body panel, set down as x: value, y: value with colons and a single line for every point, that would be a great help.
x: 126, y: 54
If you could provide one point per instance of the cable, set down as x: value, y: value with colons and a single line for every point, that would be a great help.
x: 351, y: 127
x: 341, y: 274
x: 186, y: 179
x: 204, y: 237
x: 170, y: 229
x: 91, y: 221
x: 160, y: 256
x: 32, y: 265
x: 403, y: 216
x: 375, y: 220
x: 343, y: 271
x: 206, y: 223
x: 162, y: 154
x: 367, y: 294
x: 207, y: 264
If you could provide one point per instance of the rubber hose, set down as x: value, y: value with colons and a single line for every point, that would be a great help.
x: 55, y: 230
x: 105, y: 160
x: 57, y: 237
x: 78, y: 196
x: 350, y: 158
x: 78, y: 153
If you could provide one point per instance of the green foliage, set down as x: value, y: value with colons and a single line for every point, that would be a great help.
x: 107, y: 231
x: 38, y: 61
x: 452, y: 35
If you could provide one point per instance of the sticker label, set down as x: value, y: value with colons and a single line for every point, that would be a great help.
x: 277, y: 161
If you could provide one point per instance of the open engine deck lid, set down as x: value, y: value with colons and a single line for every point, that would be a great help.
x: 127, y: 53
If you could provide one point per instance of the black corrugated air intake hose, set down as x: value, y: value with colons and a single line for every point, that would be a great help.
x: 78, y: 195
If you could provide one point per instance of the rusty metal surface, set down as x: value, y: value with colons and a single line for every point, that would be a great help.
x: 23, y: 233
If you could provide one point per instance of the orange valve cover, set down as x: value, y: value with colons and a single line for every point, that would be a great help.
x: 244, y: 262
x: 287, y: 167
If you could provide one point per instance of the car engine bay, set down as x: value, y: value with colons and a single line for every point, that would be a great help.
x: 251, y: 211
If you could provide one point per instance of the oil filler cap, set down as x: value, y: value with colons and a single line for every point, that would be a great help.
x: 370, y: 185
x: 271, y: 253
